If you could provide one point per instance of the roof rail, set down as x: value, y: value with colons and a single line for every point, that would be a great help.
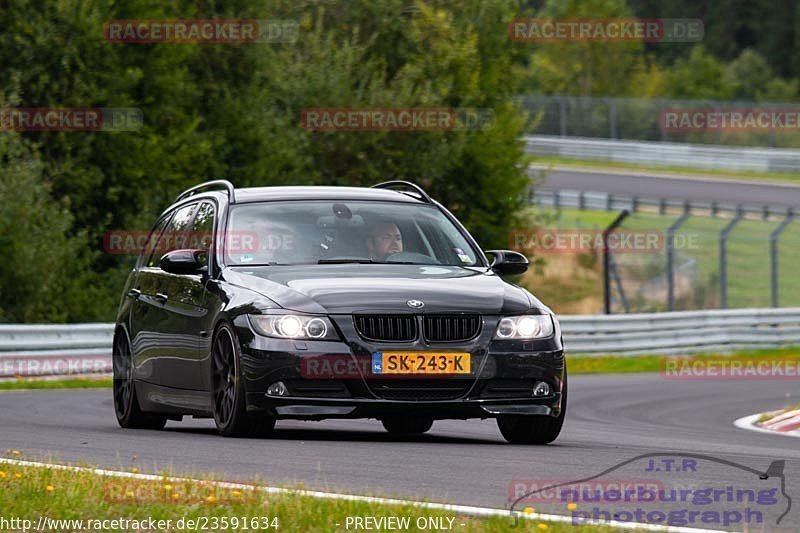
x: 208, y: 184
x: 395, y: 183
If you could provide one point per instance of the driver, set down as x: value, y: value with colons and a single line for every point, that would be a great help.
x: 384, y: 239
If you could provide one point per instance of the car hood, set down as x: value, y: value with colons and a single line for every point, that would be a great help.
x: 344, y: 289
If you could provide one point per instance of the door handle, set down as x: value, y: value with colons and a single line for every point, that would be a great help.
x: 161, y: 297
x: 134, y: 293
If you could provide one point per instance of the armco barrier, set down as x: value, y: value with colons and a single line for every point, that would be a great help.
x: 580, y: 199
x: 685, y: 155
x: 682, y: 332
x: 49, y: 350
x: 81, y: 349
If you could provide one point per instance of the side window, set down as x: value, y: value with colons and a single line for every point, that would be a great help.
x: 174, y: 235
x: 203, y: 227
x: 150, y: 247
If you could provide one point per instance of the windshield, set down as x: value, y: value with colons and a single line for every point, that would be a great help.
x: 322, y: 232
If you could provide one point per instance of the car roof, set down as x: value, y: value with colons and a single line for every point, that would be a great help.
x: 256, y: 194
x: 310, y: 192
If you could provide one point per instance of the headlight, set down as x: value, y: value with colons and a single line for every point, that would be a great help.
x: 524, y: 327
x: 300, y: 327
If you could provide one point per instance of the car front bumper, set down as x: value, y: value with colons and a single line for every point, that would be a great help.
x: 318, y: 408
x: 503, y: 375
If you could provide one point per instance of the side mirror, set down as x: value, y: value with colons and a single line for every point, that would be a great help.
x: 184, y: 262
x: 508, y: 262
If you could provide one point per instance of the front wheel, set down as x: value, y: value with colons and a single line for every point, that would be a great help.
x: 230, y: 409
x: 126, y: 405
x: 406, y: 425
x: 529, y: 429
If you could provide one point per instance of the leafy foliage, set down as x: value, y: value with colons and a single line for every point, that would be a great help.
x: 233, y: 111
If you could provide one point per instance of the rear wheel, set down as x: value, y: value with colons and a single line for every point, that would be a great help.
x: 406, y: 425
x: 526, y: 429
x: 126, y: 406
x: 230, y: 409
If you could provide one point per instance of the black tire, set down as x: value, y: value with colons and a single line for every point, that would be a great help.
x: 526, y: 429
x: 228, y: 394
x: 126, y: 405
x: 406, y: 425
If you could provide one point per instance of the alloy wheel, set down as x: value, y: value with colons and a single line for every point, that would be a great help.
x: 224, y: 377
x: 123, y: 375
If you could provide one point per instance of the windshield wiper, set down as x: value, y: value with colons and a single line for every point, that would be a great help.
x: 343, y: 260
x: 267, y: 264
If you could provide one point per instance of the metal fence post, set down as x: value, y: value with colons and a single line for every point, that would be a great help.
x: 606, y: 260
x: 773, y: 255
x: 612, y: 118
x: 723, y: 258
x: 671, y: 256
x: 562, y: 117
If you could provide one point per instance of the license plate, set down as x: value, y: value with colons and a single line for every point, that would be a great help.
x: 420, y: 363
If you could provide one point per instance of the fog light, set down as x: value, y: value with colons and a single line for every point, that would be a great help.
x: 277, y: 389
x: 541, y: 389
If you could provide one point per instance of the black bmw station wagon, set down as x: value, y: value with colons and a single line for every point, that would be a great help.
x: 258, y: 304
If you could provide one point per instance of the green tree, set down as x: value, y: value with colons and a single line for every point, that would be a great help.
x: 233, y: 111
x: 39, y: 259
x: 700, y: 76
x: 585, y: 67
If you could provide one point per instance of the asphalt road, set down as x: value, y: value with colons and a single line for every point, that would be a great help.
x: 653, y: 186
x: 611, y: 419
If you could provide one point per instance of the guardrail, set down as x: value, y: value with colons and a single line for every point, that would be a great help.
x: 85, y: 349
x: 49, y: 350
x: 666, y: 153
x: 579, y: 199
x: 681, y: 332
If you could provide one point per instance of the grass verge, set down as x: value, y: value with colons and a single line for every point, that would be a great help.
x: 33, y: 492
x: 610, y: 364
x: 70, y: 383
